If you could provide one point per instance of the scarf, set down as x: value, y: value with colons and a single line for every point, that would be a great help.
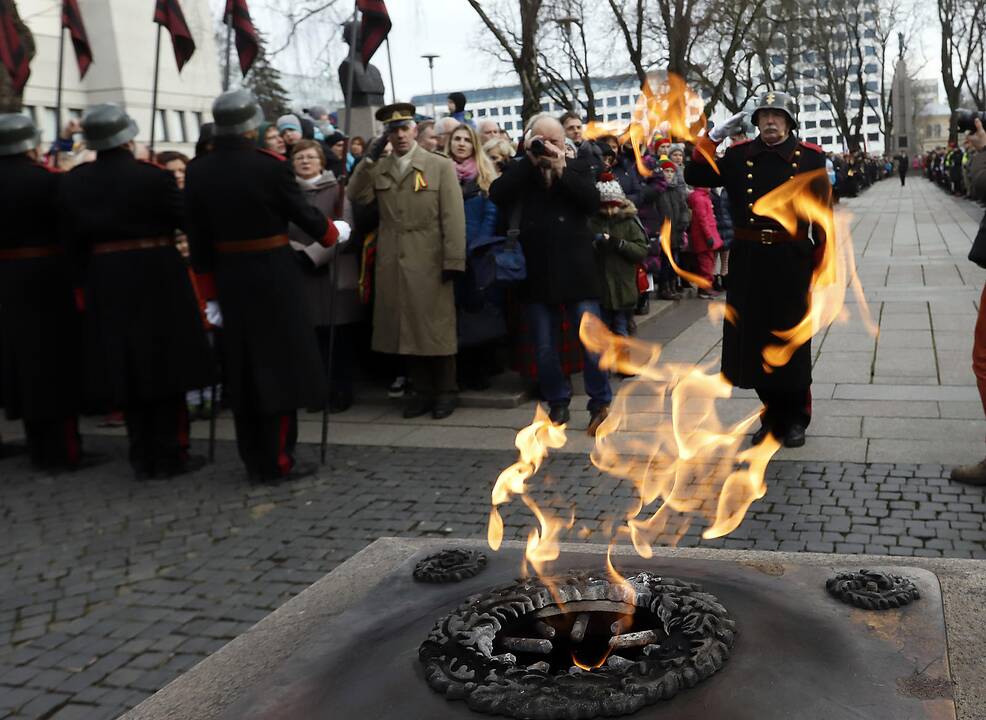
x: 466, y: 170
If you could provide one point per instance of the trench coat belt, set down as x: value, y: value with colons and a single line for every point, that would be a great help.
x: 251, y: 246
x: 105, y: 248
x: 30, y: 253
x: 767, y: 236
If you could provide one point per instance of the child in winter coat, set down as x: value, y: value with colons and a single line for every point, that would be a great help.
x: 704, y: 238
x: 620, y: 245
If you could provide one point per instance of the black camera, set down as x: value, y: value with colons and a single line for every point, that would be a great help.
x: 536, y: 148
x: 965, y: 120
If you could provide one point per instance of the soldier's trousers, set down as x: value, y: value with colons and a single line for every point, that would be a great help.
x: 266, y: 443
x: 54, y: 443
x: 784, y: 408
x: 158, y: 434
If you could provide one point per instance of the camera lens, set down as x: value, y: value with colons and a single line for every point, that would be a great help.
x: 965, y: 119
x: 537, y: 147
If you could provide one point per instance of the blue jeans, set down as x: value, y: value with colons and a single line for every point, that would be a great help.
x: 545, y: 324
x: 618, y: 322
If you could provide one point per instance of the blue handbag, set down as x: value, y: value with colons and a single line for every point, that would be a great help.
x: 499, y: 260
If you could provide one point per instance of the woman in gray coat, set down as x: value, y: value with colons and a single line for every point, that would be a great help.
x: 341, y: 308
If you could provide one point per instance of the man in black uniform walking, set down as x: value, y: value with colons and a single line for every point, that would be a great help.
x: 39, y: 324
x: 146, y: 345
x: 770, y: 271
x: 240, y: 200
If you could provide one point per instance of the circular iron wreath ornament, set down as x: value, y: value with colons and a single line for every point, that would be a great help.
x: 458, y: 655
x: 871, y: 590
x: 450, y: 565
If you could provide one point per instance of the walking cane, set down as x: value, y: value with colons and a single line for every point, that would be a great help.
x: 333, y: 282
x: 212, y: 424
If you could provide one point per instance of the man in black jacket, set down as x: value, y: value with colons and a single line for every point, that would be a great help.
x: 145, y: 337
x: 770, y: 270
x: 39, y: 324
x: 239, y: 201
x: 556, y: 197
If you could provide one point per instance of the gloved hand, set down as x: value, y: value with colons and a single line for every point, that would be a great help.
x: 732, y: 126
x: 451, y: 275
x: 213, y: 314
x: 344, y: 231
x: 376, y: 148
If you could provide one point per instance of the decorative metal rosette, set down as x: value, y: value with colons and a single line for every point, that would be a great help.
x: 449, y: 565
x: 689, y: 639
x: 871, y: 590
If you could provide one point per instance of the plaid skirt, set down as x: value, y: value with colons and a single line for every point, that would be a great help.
x: 523, y: 359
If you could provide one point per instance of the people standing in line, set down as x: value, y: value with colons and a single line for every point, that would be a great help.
x: 703, y: 238
x: 333, y: 297
x: 420, y: 251
x: 146, y: 346
x: 585, y: 150
x: 291, y: 130
x: 269, y: 138
x: 770, y: 269
x: 443, y: 128
x: 334, y: 155
x: 176, y: 163
x: 672, y: 206
x: 500, y: 152
x: 556, y: 198
x: 39, y: 323
x: 427, y: 138
x: 240, y: 200
x: 724, y: 224
x: 357, y: 146
x: 488, y: 129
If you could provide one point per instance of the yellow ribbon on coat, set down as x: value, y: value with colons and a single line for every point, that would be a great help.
x: 419, y: 181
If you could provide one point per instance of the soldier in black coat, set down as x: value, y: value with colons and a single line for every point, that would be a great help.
x: 239, y: 201
x: 39, y: 324
x: 146, y: 344
x: 770, y: 271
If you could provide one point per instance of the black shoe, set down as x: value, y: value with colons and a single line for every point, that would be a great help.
x: 795, y: 436
x: 559, y: 414
x: 596, y: 419
x: 418, y: 405
x: 445, y: 405
x: 643, y: 307
x: 301, y: 470
x: 760, y: 435
x: 717, y: 283
x: 340, y: 402
x: 193, y: 463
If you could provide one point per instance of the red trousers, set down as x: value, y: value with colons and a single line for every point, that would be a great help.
x: 705, y: 262
x: 979, y: 350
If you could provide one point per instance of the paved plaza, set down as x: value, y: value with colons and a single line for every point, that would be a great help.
x: 110, y: 588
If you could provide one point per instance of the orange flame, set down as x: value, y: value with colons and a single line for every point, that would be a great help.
x: 807, y: 198
x: 684, y: 274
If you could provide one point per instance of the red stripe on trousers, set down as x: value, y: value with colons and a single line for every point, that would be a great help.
x: 283, y: 461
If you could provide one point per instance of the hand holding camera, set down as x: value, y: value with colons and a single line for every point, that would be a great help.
x: 977, y: 135
x: 545, y: 155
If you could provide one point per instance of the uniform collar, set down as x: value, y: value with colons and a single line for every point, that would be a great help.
x: 785, y: 149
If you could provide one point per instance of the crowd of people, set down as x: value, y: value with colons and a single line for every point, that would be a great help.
x: 431, y: 258
x: 949, y: 168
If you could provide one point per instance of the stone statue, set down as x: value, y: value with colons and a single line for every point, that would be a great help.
x: 368, y: 88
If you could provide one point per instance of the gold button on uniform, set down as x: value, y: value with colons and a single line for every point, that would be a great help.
x: 749, y: 176
x: 749, y: 191
x: 750, y: 205
x: 749, y: 163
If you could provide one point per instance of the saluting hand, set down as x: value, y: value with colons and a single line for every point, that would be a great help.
x: 377, y: 147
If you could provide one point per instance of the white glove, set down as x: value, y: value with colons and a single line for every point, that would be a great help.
x: 730, y: 127
x: 213, y: 314
x: 344, y: 231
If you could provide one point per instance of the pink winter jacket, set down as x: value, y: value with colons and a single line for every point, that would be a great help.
x: 703, y: 235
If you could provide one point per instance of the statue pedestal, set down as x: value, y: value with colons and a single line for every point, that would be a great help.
x: 362, y: 123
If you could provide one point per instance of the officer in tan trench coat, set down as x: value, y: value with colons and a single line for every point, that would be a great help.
x: 421, y: 249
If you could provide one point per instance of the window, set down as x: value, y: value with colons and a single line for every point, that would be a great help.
x: 813, y: 140
x: 161, y: 127
x: 611, y: 101
x: 809, y: 124
x: 871, y: 85
x: 869, y: 33
x: 197, y: 116
x: 180, y: 124
x: 869, y: 67
x: 494, y: 112
x: 825, y: 105
x: 624, y: 99
x: 870, y: 50
x: 518, y: 109
x: 509, y: 125
x: 544, y: 107
x: 611, y: 117
x: 597, y: 102
x: 838, y: 138
x: 826, y: 139
x: 75, y: 113
x: 31, y: 112
x: 481, y: 112
x: 624, y: 116
x: 811, y: 108
x: 873, y: 137
x: 827, y: 123
x: 506, y: 110
x: 872, y: 120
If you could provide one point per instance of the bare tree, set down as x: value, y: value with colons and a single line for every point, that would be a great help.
x: 628, y: 16
x: 564, y: 56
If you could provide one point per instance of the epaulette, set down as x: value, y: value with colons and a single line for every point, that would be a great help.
x: 276, y: 156
x: 812, y: 146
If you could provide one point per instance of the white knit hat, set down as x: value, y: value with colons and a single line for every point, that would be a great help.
x: 610, y: 192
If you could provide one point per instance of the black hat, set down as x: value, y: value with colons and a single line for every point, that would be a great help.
x: 396, y: 115
x: 17, y: 134
x: 106, y: 127
x: 459, y: 100
x: 236, y: 112
x: 779, y: 101
x: 335, y: 137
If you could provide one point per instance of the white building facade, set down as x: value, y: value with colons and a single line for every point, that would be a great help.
x: 122, y: 36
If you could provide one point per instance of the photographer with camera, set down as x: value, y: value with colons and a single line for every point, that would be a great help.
x: 976, y: 474
x: 555, y: 197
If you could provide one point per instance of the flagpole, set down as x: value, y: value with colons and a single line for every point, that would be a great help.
x: 390, y: 67
x: 354, y: 37
x: 157, y: 67
x: 58, y: 91
x: 229, y: 47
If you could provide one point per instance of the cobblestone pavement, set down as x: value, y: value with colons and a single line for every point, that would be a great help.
x: 110, y: 588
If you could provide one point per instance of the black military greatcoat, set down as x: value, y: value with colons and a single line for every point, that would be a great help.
x: 768, y: 282
x: 39, y: 325
x: 145, y: 337
x: 238, y: 193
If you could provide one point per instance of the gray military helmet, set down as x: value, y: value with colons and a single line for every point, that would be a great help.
x: 17, y: 134
x: 236, y: 112
x: 106, y: 127
x: 781, y: 101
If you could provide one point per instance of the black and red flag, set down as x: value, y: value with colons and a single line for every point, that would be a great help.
x: 72, y: 21
x: 247, y: 43
x: 168, y: 13
x: 13, y: 54
x: 374, y: 28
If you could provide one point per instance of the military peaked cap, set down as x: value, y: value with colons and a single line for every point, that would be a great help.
x: 395, y: 115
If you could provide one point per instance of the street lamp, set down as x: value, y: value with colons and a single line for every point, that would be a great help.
x: 566, y: 24
x: 431, y: 71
